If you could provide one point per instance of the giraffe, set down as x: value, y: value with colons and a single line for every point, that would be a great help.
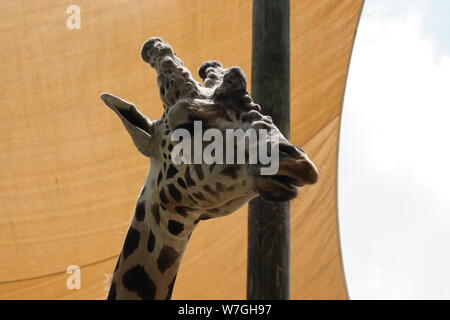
x: 176, y: 197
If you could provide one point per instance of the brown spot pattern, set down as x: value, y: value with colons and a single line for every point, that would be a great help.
x: 155, y: 211
x: 166, y: 258
x: 187, y: 176
x: 199, y: 171
x: 183, y: 210
x: 208, y: 189
x: 199, y: 195
x: 231, y: 172
x: 162, y: 196
x: 174, y: 192
x: 170, y: 288
x: 137, y: 280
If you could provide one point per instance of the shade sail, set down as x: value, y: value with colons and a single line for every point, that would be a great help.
x: 69, y: 175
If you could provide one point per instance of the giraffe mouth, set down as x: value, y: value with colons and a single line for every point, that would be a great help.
x: 288, y: 181
x: 284, y: 186
x: 278, y: 188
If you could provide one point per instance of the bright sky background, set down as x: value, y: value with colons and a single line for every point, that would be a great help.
x: 394, y: 162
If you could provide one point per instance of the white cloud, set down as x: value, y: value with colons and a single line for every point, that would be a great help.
x: 394, y: 159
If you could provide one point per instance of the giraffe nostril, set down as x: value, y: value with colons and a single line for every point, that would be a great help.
x: 290, y: 150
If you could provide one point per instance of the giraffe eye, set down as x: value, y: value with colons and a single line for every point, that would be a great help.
x: 187, y: 126
x: 190, y: 127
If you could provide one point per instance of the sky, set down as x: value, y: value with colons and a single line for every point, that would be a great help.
x: 394, y: 161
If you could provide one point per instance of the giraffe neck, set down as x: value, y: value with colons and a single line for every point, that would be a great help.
x: 155, y: 242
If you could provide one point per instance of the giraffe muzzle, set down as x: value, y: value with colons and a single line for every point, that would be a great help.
x: 295, y: 170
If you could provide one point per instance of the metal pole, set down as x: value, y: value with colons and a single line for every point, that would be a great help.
x: 268, y: 222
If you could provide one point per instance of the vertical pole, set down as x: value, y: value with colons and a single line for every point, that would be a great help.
x: 268, y: 222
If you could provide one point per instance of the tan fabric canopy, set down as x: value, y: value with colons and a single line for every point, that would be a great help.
x: 69, y: 175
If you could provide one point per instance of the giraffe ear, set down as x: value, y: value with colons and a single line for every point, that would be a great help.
x: 137, y: 125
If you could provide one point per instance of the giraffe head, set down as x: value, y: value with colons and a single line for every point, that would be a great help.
x: 220, y: 105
